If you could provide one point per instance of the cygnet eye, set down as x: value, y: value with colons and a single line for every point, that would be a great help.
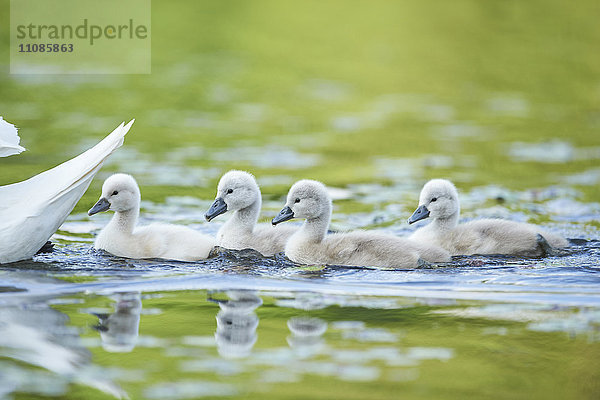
x: 434, y: 199
x: 229, y: 191
x: 297, y: 201
x: 115, y: 193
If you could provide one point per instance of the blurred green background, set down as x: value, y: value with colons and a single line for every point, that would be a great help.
x: 392, y: 92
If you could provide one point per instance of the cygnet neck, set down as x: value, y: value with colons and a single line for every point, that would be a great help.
x: 316, y: 228
x: 246, y: 218
x: 448, y: 223
x: 125, y: 221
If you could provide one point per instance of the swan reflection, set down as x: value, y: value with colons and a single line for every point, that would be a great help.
x: 236, y: 323
x: 33, y: 334
x: 119, y: 331
x: 307, y: 335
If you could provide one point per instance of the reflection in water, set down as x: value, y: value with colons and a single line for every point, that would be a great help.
x: 307, y: 335
x: 307, y: 332
x: 119, y: 331
x: 237, y: 323
x: 35, y: 335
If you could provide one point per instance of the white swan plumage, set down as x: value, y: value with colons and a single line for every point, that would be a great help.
x: 439, y: 201
x: 311, y: 244
x: 32, y: 210
x: 9, y: 139
x: 238, y: 191
x: 121, y: 236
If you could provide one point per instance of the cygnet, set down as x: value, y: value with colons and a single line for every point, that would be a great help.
x: 122, y: 238
x: 439, y: 201
x: 238, y: 192
x: 312, y: 244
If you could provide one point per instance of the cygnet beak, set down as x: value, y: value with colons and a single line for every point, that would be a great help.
x: 217, y: 208
x: 101, y: 205
x: 420, y: 213
x: 284, y: 215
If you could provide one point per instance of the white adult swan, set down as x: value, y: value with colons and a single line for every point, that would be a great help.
x: 312, y: 245
x: 439, y: 201
x: 238, y: 192
x: 32, y: 210
x: 120, y: 193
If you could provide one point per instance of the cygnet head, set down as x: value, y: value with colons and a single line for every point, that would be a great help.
x: 120, y: 193
x: 438, y: 200
x: 306, y: 199
x: 236, y: 190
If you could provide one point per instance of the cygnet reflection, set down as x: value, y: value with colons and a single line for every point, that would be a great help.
x: 237, y: 323
x: 307, y: 335
x: 119, y: 331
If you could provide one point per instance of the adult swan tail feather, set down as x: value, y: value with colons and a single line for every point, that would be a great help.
x: 32, y: 210
x: 9, y: 139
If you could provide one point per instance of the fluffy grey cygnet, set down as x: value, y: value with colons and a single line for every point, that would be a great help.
x: 238, y: 192
x: 312, y: 244
x: 121, y: 237
x: 439, y: 201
